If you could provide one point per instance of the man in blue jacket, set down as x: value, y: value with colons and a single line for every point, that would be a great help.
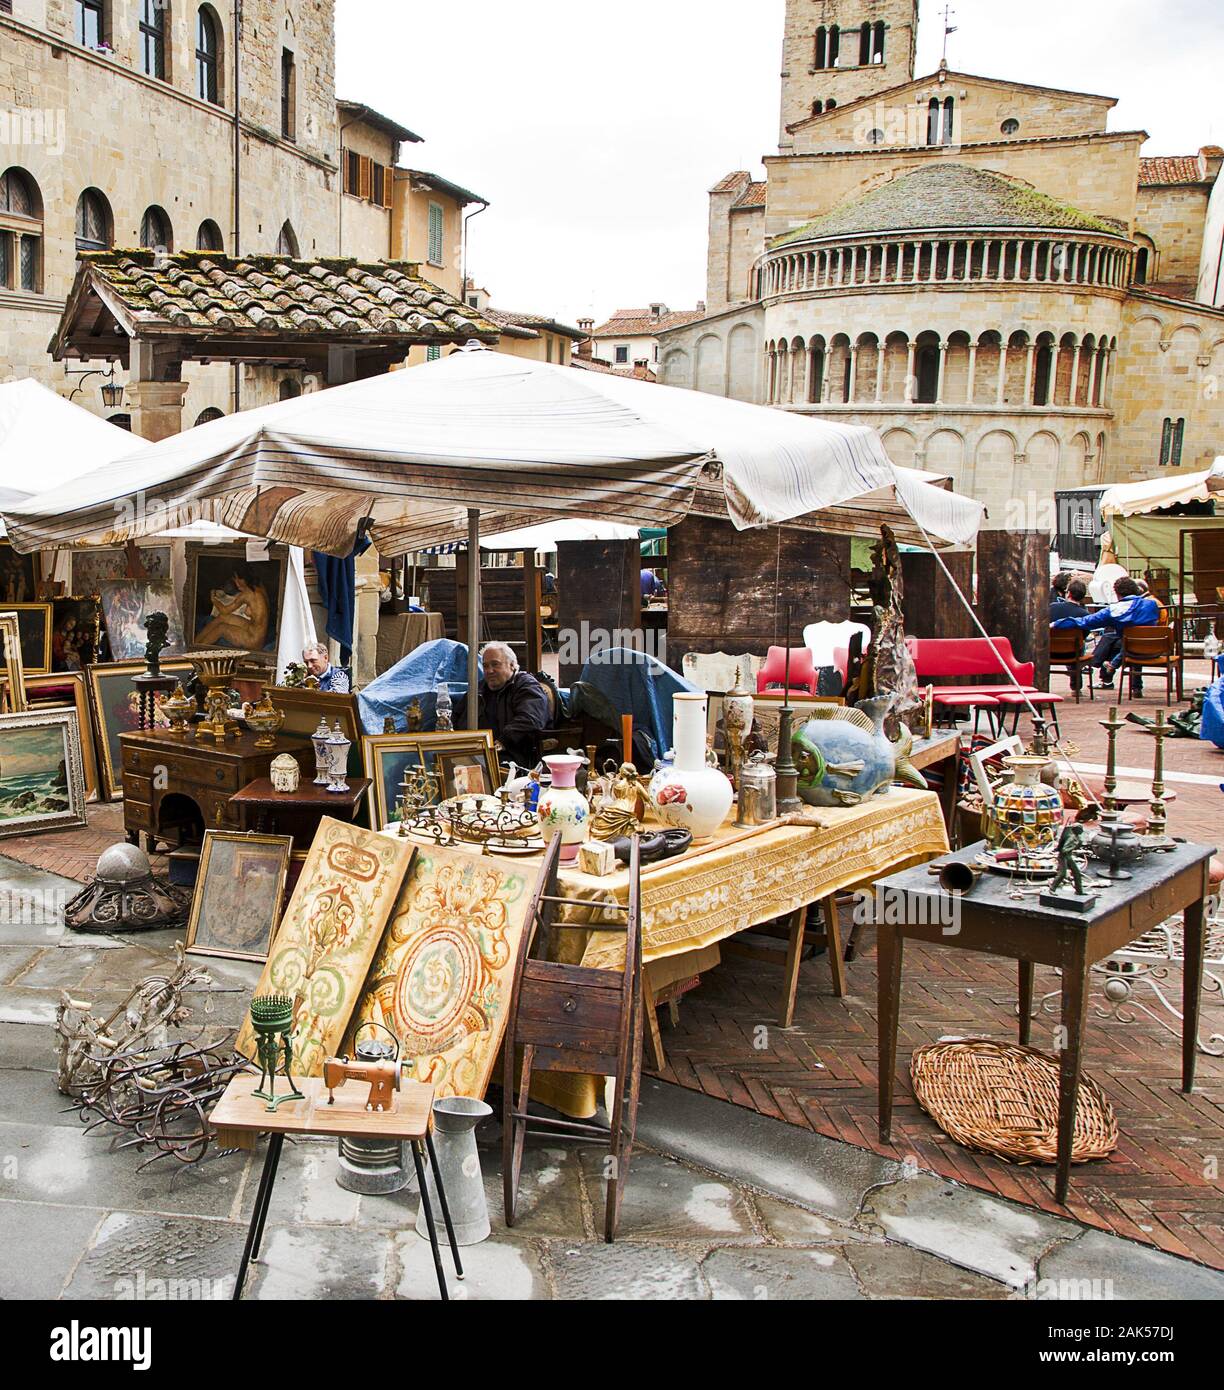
x: 1134, y: 608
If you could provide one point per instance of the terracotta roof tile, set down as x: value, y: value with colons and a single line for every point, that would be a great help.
x: 638, y: 323
x: 1168, y: 169
x: 752, y: 197
x: 732, y: 180
x: 204, y: 292
x: 528, y: 324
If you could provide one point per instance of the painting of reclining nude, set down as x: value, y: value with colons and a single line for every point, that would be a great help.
x: 231, y: 601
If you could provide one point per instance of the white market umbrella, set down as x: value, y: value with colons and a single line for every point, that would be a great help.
x: 425, y: 455
x: 1134, y: 499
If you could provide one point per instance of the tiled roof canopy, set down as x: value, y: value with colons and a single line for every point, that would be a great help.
x: 1169, y: 169
x: 252, y: 306
x: 530, y: 325
x: 752, y: 197
x: 949, y: 196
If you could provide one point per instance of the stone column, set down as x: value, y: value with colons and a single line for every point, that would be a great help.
x: 1092, y: 375
x: 1002, y: 372
x: 156, y: 408
x: 910, y: 383
x: 853, y: 383
x: 971, y: 389
x: 365, y: 624
x: 1029, y: 368
x: 941, y: 379
x: 879, y: 389
x: 1075, y: 360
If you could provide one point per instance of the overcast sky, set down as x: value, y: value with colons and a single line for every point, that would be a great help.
x: 596, y: 130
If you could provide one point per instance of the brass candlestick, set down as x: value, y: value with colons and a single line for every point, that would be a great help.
x: 1111, y: 727
x: 1157, y: 836
x: 787, y: 774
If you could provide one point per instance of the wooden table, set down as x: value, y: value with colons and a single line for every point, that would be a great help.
x: 166, y: 774
x: 259, y: 806
x: 240, y: 1113
x: 912, y: 904
x: 941, y: 750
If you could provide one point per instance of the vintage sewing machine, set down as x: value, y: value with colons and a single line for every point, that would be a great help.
x: 383, y: 1076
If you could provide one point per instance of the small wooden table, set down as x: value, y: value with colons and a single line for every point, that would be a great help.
x: 942, y: 749
x: 412, y: 1120
x: 260, y: 807
x: 912, y: 904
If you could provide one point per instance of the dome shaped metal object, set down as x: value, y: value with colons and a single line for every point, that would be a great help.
x: 123, y: 864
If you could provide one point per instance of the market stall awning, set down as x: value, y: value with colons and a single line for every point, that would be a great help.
x: 1132, y: 499
x: 521, y: 441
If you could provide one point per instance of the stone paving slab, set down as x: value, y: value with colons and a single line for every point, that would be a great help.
x: 999, y: 1239
x: 770, y: 1275
x: 1131, y: 1271
x: 626, y: 1270
x: 665, y: 1201
x: 897, y: 1271
x: 310, y: 1263
x: 135, y: 1256
x: 41, y: 1246
x: 503, y: 1267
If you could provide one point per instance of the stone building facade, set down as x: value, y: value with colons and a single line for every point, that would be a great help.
x: 980, y: 269
x: 119, y: 127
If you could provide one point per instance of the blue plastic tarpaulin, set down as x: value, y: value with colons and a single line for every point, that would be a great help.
x: 637, y: 684
x: 415, y: 677
x: 1212, y: 727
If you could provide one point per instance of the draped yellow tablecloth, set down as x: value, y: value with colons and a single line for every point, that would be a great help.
x: 717, y: 890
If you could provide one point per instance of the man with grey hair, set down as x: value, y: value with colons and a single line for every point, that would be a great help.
x: 318, y: 664
x: 513, y: 705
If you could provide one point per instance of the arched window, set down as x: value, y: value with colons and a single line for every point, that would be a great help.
x: 821, y: 57
x: 830, y: 105
x: 209, y: 237
x: 287, y: 242
x: 949, y: 119
x: 153, y: 25
x: 1043, y: 372
x: 877, y: 46
x: 208, y: 56
x: 93, y: 222
x: 933, y: 121
x: 21, y: 231
x: 817, y: 108
x: 290, y: 390
x: 155, y: 230
x: 212, y: 413
x: 122, y: 421
x: 865, y: 45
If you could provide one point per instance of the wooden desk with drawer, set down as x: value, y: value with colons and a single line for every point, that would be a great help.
x: 172, y: 782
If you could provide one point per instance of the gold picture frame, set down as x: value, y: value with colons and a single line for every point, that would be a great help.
x: 210, y: 568
x: 233, y: 914
x: 385, y: 756
x: 114, y: 703
x: 35, y: 635
x: 41, y: 758
x: 37, y: 686
x: 303, y: 708
x: 15, y: 700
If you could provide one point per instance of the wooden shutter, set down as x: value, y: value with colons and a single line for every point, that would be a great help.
x: 388, y: 186
x: 365, y: 177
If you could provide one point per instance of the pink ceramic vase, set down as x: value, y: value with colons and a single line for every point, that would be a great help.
x: 563, y: 809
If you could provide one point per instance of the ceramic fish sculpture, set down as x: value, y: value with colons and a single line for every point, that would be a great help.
x: 844, y: 756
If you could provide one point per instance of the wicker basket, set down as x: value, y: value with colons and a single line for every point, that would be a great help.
x: 1003, y: 1100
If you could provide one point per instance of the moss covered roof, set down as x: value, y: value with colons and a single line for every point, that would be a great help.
x: 949, y: 196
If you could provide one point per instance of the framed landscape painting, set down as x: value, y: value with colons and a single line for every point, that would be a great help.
x: 232, y: 602
x: 238, y: 894
x: 55, y: 691
x: 116, y: 706
x: 126, y: 603
x: 42, y: 781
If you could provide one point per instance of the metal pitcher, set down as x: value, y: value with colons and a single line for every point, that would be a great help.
x: 455, y: 1121
x: 758, y: 792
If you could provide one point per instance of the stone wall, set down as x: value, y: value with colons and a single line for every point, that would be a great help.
x: 1174, y: 219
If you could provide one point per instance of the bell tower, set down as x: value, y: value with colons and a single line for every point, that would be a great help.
x: 837, y: 51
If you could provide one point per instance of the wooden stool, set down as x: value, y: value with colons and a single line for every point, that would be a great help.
x: 239, y: 1113
x: 571, y: 1018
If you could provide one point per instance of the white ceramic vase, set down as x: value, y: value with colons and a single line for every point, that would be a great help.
x: 689, y: 794
x: 563, y: 810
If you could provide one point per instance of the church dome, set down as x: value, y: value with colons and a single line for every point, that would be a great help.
x: 953, y: 197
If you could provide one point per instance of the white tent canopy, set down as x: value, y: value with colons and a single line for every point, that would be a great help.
x: 1133, y: 499
x: 521, y: 441
x: 546, y: 536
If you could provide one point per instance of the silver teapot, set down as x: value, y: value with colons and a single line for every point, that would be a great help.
x: 758, y: 791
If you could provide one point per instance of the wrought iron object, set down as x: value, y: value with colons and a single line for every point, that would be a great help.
x: 488, y: 821
x: 272, y: 1019
x: 125, y: 896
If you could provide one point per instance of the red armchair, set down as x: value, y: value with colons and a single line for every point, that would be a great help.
x: 803, y: 678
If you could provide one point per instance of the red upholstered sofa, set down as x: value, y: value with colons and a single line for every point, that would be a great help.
x: 989, y: 664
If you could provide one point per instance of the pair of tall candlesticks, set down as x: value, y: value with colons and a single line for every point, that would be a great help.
x: 1157, y: 832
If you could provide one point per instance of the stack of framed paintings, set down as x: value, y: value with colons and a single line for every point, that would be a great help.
x: 68, y: 688
x: 13, y: 700
x: 239, y: 890
x: 464, y: 763
x: 42, y: 782
x: 34, y: 628
x: 116, y: 706
x: 327, y: 938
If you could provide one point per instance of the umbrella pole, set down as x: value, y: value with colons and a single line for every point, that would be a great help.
x: 473, y: 635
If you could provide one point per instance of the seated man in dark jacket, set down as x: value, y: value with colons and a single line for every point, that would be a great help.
x: 1134, y: 608
x: 512, y: 704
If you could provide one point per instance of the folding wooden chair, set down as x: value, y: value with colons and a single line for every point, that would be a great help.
x: 571, y: 1018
